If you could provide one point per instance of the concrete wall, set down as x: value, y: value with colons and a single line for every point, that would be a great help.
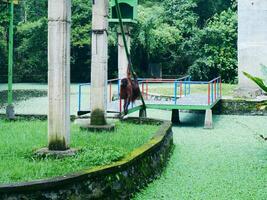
x: 252, y: 39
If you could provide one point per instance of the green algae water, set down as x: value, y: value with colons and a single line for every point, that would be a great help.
x: 227, y: 162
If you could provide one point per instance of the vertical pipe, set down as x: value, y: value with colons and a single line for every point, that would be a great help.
x: 208, y: 93
x: 10, y: 53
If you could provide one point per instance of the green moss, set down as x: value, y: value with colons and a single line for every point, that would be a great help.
x: 98, y: 117
x: 57, y: 145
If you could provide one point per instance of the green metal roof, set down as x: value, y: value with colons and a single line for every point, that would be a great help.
x: 128, y: 11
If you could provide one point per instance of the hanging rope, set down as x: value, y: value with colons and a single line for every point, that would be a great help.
x: 130, y: 66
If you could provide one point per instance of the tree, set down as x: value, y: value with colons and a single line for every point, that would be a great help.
x: 218, y: 48
x: 3, y: 41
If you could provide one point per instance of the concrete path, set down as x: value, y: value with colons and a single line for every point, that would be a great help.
x: 228, y: 162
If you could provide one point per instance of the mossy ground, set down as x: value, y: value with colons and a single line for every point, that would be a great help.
x: 228, y: 162
x: 19, y: 140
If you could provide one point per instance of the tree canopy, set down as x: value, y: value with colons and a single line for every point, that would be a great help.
x: 198, y: 37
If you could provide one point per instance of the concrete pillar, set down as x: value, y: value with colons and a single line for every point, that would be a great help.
x: 59, y: 22
x: 252, y: 43
x: 99, y: 62
x: 208, y: 119
x: 122, y: 57
x: 175, y: 116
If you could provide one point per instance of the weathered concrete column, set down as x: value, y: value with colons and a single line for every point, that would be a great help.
x: 59, y: 22
x: 122, y: 57
x: 208, y: 119
x: 252, y: 43
x: 99, y: 62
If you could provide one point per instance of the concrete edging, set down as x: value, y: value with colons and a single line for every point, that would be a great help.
x: 119, y: 180
x: 240, y: 107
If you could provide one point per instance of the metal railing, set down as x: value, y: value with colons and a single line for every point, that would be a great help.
x: 182, y: 88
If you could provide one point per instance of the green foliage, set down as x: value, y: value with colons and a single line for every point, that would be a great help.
x: 31, y: 64
x: 259, y: 81
x: 3, y: 41
x: 175, y: 34
x: 185, y: 36
x: 218, y: 48
x: 18, y: 162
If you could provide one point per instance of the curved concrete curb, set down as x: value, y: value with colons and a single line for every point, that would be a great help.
x: 116, y: 181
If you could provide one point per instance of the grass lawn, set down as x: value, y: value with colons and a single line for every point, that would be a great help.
x: 168, y: 89
x: 19, y: 139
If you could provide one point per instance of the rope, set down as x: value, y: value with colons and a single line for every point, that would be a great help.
x: 130, y: 66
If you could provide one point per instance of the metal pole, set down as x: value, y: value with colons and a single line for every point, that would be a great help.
x: 10, y: 54
x: 10, y: 109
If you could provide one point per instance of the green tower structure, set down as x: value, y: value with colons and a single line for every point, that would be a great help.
x: 128, y: 10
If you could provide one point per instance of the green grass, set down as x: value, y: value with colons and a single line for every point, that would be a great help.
x: 18, y: 141
x: 228, y: 162
x: 167, y: 89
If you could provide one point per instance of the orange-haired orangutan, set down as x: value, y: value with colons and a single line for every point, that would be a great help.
x: 129, y: 91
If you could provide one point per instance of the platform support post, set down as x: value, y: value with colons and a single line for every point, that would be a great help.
x: 175, y: 116
x: 142, y: 113
x: 208, y: 119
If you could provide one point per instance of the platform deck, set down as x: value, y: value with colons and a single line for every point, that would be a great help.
x: 190, y: 102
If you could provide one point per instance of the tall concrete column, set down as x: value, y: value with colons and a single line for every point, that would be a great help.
x: 99, y: 62
x: 122, y: 57
x: 59, y: 23
x: 252, y: 43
